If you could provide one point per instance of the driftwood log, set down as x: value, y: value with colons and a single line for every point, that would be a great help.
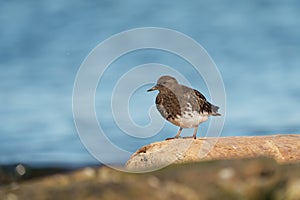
x: 282, y: 148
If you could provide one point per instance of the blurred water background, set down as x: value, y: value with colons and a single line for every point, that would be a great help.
x: 255, y: 44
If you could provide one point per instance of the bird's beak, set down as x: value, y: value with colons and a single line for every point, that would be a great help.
x: 152, y: 89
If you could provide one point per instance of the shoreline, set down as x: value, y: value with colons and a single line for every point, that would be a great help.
x: 9, y: 174
x: 253, y: 178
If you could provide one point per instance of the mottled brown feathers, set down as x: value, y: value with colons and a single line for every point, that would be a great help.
x: 168, y: 104
x: 183, y: 106
x: 171, y: 102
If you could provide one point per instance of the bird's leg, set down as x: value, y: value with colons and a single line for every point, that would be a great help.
x: 195, y: 132
x: 178, y: 133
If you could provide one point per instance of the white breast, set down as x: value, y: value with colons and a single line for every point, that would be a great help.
x: 191, y: 119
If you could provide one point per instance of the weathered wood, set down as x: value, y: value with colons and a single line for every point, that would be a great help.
x: 283, y: 148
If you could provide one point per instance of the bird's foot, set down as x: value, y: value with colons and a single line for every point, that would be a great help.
x: 199, y: 138
x: 189, y: 137
x: 172, y: 138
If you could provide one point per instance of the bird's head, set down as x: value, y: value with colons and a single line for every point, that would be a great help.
x: 164, y: 82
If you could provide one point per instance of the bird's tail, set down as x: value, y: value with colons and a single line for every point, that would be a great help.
x: 214, y: 110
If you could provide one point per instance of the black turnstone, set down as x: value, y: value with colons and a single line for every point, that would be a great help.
x: 182, y: 106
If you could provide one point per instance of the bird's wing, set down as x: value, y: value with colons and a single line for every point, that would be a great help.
x: 205, y: 106
x: 198, y: 94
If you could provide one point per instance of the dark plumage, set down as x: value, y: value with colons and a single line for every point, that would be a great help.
x: 183, y: 106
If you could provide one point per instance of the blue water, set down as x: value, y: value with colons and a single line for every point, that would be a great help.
x: 255, y: 45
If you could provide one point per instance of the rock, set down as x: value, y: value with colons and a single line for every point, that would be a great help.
x: 215, y: 177
x: 283, y: 148
x: 247, y: 179
x: 22, y: 172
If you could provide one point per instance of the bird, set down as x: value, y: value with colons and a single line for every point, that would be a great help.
x: 181, y: 105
